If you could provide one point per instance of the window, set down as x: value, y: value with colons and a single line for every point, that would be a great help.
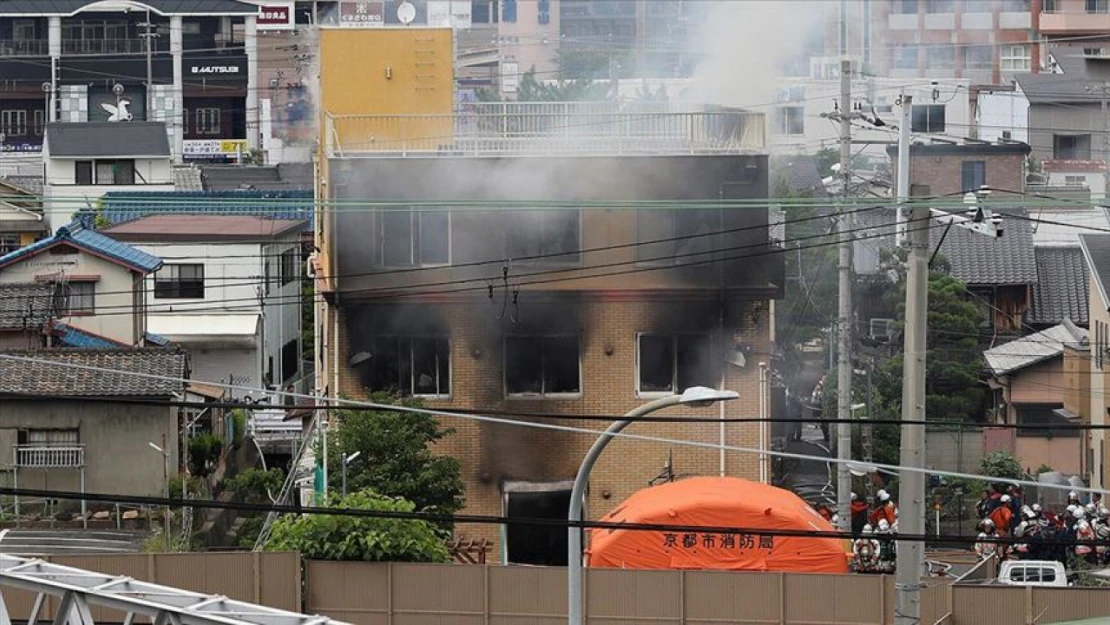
x: 290, y: 360
x: 904, y: 6
x: 977, y: 6
x: 411, y: 365
x: 184, y: 122
x: 673, y: 363
x: 1098, y: 6
x: 549, y: 236
x: 40, y: 122
x: 179, y: 282
x: 543, y: 12
x: 542, y: 365
x: 1015, y: 59
x: 23, y: 30
x: 508, y: 11
x: 927, y: 118
x: 973, y: 175
x: 790, y: 120
x: 1042, y: 415
x: 979, y: 57
x: 49, y: 438
x: 208, y: 121
x: 104, y: 172
x: 415, y: 238
x: 939, y: 6
x: 903, y: 56
x: 1071, y: 147
x: 941, y: 56
x: 290, y: 266
x: 1075, y: 181
x: 78, y: 298
x: 676, y: 236
x: 9, y: 243
x: 13, y: 122
x: 83, y: 173
x: 1050, y: 6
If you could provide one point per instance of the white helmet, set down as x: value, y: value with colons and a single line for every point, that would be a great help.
x: 1028, y: 513
x: 883, y: 525
x: 1103, y: 512
x: 988, y: 524
x: 867, y: 529
x: 1079, y: 513
x: 854, y: 497
x: 883, y: 495
x: 835, y: 520
x: 1005, y: 499
x: 1091, y: 509
x: 1037, y: 508
x: 1071, y: 509
x: 1073, y: 495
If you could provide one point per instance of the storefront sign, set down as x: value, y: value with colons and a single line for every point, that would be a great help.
x: 22, y: 147
x: 275, y: 16
x: 204, y: 148
x: 510, y: 80
x: 362, y: 13
x: 215, y: 68
x: 449, y: 13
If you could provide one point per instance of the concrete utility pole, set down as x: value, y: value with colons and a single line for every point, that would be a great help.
x: 845, y: 320
x: 904, y: 125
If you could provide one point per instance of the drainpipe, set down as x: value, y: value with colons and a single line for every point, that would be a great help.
x: 763, y: 426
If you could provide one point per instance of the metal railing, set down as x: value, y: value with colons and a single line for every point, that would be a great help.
x: 49, y: 457
x: 546, y: 128
x: 24, y: 47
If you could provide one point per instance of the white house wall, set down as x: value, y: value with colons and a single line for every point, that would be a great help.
x: 64, y: 197
x: 240, y: 367
x: 1001, y: 111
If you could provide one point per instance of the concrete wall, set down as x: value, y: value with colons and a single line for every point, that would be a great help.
x: 1075, y: 117
x: 116, y: 437
x: 117, y: 290
x: 216, y: 365
x: 1001, y: 111
x: 958, y: 450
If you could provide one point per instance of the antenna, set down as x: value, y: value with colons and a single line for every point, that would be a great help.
x: 406, y: 12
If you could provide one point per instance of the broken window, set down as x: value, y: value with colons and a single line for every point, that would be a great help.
x: 411, y: 365
x: 547, y: 365
x: 673, y: 363
x: 676, y: 236
x: 543, y: 236
x: 415, y: 238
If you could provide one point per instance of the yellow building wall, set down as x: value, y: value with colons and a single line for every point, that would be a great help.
x: 386, y: 88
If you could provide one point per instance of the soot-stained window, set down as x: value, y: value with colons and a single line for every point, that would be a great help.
x: 415, y: 238
x: 676, y: 236
x: 673, y: 363
x: 411, y: 365
x: 543, y: 236
x: 542, y: 365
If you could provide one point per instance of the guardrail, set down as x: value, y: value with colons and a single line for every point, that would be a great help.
x: 49, y: 457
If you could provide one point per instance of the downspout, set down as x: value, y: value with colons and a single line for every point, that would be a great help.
x: 763, y: 425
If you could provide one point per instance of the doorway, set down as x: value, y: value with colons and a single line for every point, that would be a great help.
x: 541, y: 545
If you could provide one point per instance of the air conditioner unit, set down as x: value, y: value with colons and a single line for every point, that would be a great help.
x: 882, y: 329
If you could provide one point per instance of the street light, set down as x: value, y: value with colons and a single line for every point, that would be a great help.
x: 166, y: 480
x: 347, y: 460
x: 697, y: 397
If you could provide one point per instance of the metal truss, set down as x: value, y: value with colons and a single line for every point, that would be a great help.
x: 78, y: 590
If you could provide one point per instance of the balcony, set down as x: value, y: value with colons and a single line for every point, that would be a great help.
x: 49, y: 456
x: 24, y: 47
x: 550, y: 128
x: 1075, y: 23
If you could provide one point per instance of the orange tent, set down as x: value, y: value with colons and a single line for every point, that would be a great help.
x: 717, y: 502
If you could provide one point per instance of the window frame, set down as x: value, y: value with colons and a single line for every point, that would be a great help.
x: 1057, y: 138
x: 12, y: 120
x: 898, y: 51
x: 543, y: 394
x: 24, y: 435
x: 204, y: 116
x: 783, y: 117
x: 178, y: 283
x: 929, y: 124
x: 406, y: 341
x: 566, y: 259
x: 67, y: 292
x: 979, y: 65
x: 415, y: 238
x: 288, y: 266
x: 1008, y: 61
x: 674, y: 338
x: 965, y: 171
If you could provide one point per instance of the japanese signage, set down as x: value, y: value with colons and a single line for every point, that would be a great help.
x: 510, y: 80
x: 362, y: 13
x: 275, y: 16
x: 449, y: 13
x: 709, y: 540
x: 215, y: 68
x: 22, y: 147
x: 203, y: 148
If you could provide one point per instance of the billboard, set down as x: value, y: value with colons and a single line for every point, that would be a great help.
x: 362, y: 13
x: 206, y: 148
x: 449, y: 13
x: 275, y: 15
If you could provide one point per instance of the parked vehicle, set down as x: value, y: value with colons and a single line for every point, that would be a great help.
x: 1032, y: 573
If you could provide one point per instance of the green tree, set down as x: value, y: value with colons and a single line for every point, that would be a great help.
x: 256, y: 486
x: 810, y: 301
x: 396, y: 459
x: 1001, y: 465
x: 374, y: 539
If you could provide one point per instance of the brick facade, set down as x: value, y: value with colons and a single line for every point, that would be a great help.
x: 940, y: 167
x: 492, y: 453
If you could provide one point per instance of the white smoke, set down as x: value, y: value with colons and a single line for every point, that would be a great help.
x: 743, y: 44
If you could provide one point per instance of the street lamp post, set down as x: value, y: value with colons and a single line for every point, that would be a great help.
x: 166, y: 481
x: 695, y: 396
x: 347, y: 460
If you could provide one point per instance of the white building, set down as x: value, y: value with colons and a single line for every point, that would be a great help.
x: 83, y: 161
x: 229, y: 293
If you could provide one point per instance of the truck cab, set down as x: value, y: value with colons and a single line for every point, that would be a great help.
x: 1032, y: 573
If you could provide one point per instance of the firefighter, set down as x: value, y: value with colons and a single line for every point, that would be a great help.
x: 984, y: 548
x: 884, y: 509
x: 859, y: 514
x: 865, y: 550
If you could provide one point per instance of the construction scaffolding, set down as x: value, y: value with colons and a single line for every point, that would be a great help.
x: 78, y: 590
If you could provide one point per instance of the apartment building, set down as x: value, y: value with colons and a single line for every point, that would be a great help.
x: 83, y: 60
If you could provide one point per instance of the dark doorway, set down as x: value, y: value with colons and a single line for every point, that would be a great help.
x: 533, y: 544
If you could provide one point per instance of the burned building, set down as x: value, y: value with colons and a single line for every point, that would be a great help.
x: 547, y: 287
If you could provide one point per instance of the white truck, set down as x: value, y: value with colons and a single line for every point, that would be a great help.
x: 1032, y: 573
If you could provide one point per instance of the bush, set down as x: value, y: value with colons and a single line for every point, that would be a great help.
x: 195, y: 486
x: 204, y: 450
x: 239, y: 426
x: 375, y: 539
x: 256, y: 485
x: 1001, y: 465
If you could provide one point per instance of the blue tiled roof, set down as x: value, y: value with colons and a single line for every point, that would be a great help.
x: 120, y: 206
x: 70, y: 336
x: 89, y: 240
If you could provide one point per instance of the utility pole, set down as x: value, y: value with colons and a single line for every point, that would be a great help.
x: 845, y: 321
x: 903, y: 184
x: 149, y: 36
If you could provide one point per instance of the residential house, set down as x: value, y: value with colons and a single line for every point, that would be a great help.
x: 283, y: 204
x: 1096, y: 251
x: 290, y: 177
x: 21, y: 218
x: 1065, y: 108
x: 97, y: 297
x: 201, y: 72
x: 83, y: 161
x: 1034, y: 381
x: 75, y: 420
x: 947, y: 171
x: 668, y: 312
x: 229, y: 292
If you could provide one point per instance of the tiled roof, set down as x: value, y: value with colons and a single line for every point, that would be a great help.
x: 1030, y: 350
x: 69, y: 336
x: 286, y: 176
x: 187, y: 179
x: 983, y: 260
x: 120, y: 206
x: 1096, y: 250
x: 89, y: 372
x: 1063, y: 226
x: 91, y: 241
x: 32, y: 185
x: 800, y: 174
x: 25, y: 305
x: 1063, y: 289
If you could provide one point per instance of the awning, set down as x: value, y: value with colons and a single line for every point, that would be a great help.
x: 230, y: 331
